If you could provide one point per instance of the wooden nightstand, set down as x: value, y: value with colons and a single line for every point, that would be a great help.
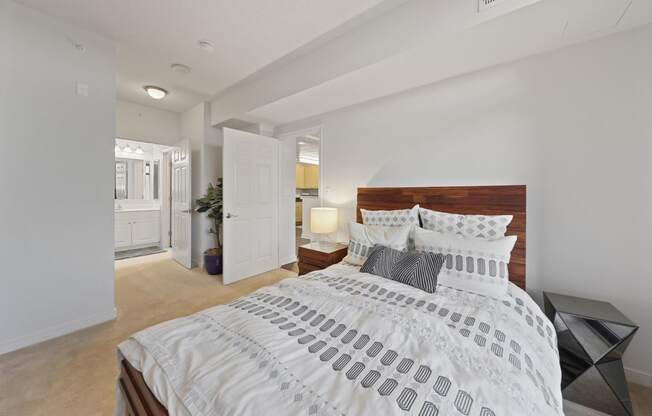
x: 316, y: 257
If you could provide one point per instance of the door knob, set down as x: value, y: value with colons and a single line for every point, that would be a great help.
x: 229, y: 215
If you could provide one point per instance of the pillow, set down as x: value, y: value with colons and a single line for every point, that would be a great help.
x: 419, y: 270
x: 471, y: 264
x: 394, y: 218
x: 362, y: 238
x: 488, y: 227
x: 381, y: 261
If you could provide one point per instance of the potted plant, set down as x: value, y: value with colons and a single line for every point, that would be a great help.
x: 211, y: 202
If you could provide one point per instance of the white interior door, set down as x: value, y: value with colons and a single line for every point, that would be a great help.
x: 181, y: 204
x: 250, y: 204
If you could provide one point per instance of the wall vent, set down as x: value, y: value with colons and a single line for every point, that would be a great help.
x: 487, y: 4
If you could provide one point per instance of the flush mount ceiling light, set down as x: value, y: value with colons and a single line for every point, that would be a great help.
x: 206, y: 45
x: 139, y: 150
x: 155, y: 92
x: 180, y: 69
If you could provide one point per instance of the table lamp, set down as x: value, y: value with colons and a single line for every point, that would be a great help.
x: 323, y: 221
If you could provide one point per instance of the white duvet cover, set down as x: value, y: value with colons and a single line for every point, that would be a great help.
x: 340, y: 342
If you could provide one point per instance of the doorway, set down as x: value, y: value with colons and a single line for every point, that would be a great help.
x: 302, y: 161
x: 141, y: 186
x: 307, y: 179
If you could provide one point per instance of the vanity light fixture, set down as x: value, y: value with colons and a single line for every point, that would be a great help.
x: 117, y: 147
x: 127, y: 149
x: 155, y: 92
x: 139, y: 150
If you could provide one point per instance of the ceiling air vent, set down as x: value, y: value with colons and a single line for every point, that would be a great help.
x: 487, y: 4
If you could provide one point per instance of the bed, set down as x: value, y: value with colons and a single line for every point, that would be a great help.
x: 341, y: 342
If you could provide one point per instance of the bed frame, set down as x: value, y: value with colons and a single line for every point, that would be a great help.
x: 139, y: 399
x: 489, y: 200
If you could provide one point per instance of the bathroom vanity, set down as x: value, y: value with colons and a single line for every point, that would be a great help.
x: 137, y: 227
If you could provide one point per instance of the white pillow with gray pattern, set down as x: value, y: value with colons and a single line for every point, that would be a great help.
x: 488, y: 227
x: 393, y: 218
x: 471, y: 264
x: 363, y: 238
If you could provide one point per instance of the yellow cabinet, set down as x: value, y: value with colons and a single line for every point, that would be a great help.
x: 307, y: 176
x: 299, y: 212
x: 301, y: 176
x: 311, y: 176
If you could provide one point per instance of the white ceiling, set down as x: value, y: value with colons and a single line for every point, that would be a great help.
x: 546, y: 25
x: 247, y: 35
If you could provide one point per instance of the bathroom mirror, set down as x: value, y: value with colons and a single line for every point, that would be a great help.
x: 132, y: 179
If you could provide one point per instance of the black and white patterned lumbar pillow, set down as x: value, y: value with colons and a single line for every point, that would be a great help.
x: 487, y: 227
x: 419, y: 270
x: 381, y: 261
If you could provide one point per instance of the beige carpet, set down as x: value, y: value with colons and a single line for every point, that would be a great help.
x: 75, y: 374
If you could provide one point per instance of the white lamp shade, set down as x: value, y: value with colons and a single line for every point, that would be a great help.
x: 323, y: 220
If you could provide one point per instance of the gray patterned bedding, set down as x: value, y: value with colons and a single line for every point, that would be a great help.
x: 341, y: 342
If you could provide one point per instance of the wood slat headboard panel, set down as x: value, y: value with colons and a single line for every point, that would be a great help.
x: 484, y: 200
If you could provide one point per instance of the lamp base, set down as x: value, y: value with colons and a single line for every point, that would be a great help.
x: 326, y: 244
x: 323, y: 244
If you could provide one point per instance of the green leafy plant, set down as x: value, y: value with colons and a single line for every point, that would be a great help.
x: 211, y: 202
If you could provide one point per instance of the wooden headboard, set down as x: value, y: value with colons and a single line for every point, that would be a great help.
x: 487, y: 200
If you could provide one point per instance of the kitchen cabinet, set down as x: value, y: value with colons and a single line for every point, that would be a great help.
x: 300, y: 176
x: 299, y: 212
x: 133, y: 229
x: 311, y: 177
x: 307, y: 176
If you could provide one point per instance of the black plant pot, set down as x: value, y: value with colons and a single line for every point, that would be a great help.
x: 213, y: 263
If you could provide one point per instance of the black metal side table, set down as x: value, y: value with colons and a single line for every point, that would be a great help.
x: 592, y: 338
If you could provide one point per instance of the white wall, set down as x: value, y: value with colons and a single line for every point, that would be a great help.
x: 211, y: 168
x: 206, y: 147
x: 148, y: 124
x: 574, y: 126
x: 56, y: 176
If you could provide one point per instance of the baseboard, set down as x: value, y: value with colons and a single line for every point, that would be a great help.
x: 137, y: 246
x: 288, y: 260
x: 57, y: 331
x: 638, y: 377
